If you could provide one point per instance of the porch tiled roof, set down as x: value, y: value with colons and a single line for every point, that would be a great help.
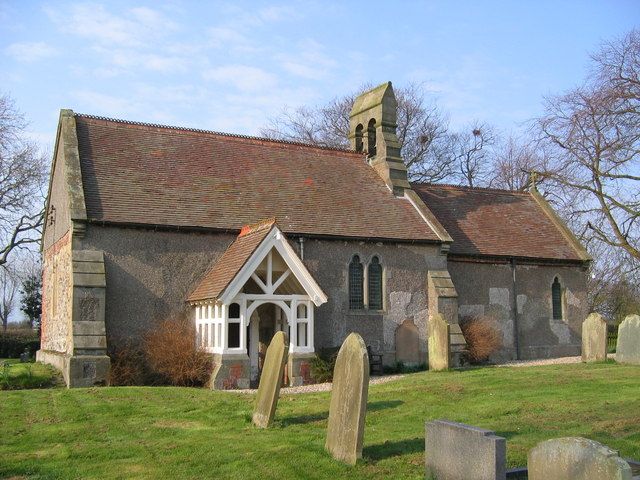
x: 496, y: 223
x: 231, y: 262
x: 147, y: 174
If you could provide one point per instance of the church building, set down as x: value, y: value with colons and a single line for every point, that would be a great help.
x: 247, y: 236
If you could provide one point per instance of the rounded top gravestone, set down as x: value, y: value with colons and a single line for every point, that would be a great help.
x: 575, y: 458
x: 345, y: 431
x: 628, y: 347
x: 594, y: 338
x: 271, y: 380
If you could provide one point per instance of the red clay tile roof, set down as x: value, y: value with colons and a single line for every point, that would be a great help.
x: 231, y: 262
x: 149, y: 174
x: 495, y: 222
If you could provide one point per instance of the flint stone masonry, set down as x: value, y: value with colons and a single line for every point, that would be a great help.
x: 271, y: 380
x: 594, y: 338
x: 347, y: 411
x: 455, y: 451
x: 439, y: 348
x: 628, y: 346
x: 576, y: 458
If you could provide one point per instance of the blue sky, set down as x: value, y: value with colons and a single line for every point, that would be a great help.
x: 229, y: 66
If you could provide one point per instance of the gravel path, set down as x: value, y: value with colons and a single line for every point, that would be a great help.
x: 323, y: 387
x: 546, y: 361
x: 326, y: 387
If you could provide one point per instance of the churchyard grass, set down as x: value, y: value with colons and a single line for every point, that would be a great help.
x: 15, y: 375
x: 163, y: 432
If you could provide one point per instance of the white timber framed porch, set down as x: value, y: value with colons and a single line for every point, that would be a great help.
x: 271, y: 274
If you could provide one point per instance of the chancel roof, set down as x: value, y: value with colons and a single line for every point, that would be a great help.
x: 490, y: 222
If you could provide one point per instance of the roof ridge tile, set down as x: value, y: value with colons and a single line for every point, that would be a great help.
x: 214, y: 132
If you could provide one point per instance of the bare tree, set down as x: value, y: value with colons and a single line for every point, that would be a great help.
x: 22, y: 174
x: 514, y: 160
x: 472, y: 155
x: 593, y: 135
x: 422, y: 131
x: 8, y: 295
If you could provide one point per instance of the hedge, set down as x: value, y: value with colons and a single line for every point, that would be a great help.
x: 15, y: 342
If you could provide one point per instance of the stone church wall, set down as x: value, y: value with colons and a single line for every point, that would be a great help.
x: 405, y: 291
x: 487, y: 289
x: 150, y: 273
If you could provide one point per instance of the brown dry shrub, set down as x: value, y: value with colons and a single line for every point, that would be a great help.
x: 171, y: 352
x: 127, y: 364
x: 483, y: 337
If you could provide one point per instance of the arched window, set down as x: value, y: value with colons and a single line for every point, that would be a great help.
x: 556, y: 299
x: 359, y: 138
x: 356, y: 291
x: 302, y: 310
x: 371, y: 138
x: 375, y: 284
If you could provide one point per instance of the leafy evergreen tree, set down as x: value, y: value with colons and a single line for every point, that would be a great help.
x: 32, y: 299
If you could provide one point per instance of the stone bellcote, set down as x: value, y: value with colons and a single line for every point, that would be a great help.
x: 372, y: 129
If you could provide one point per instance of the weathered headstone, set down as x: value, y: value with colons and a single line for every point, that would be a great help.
x: 271, y: 380
x: 455, y: 451
x: 438, y: 343
x: 575, y: 458
x: 345, y: 431
x: 628, y: 347
x: 408, y: 343
x: 594, y: 338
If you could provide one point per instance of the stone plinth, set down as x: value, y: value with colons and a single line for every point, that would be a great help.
x: 628, y: 347
x: 230, y: 371
x: 271, y: 380
x: 575, y: 458
x: 455, y: 451
x: 299, y: 369
x: 345, y: 430
x: 594, y: 339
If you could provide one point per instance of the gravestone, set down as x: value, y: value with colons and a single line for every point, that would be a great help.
x: 345, y: 431
x: 455, y: 451
x: 628, y: 347
x: 408, y: 343
x: 438, y: 343
x: 575, y: 458
x: 271, y: 380
x: 594, y: 338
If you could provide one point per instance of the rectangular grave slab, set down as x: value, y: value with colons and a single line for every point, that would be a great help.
x: 455, y: 451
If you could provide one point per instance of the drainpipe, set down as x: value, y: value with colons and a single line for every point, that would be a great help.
x: 301, y: 242
x: 516, y: 335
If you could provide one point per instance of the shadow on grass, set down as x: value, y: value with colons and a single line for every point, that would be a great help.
x: 316, y: 417
x: 388, y: 449
x: 383, y: 405
x: 302, y: 419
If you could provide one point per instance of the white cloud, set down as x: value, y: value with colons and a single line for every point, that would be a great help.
x: 309, y: 61
x: 136, y: 27
x: 102, y: 104
x: 242, y: 77
x: 30, y: 51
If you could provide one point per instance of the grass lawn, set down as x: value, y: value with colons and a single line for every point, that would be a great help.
x: 155, y: 432
x: 15, y: 375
